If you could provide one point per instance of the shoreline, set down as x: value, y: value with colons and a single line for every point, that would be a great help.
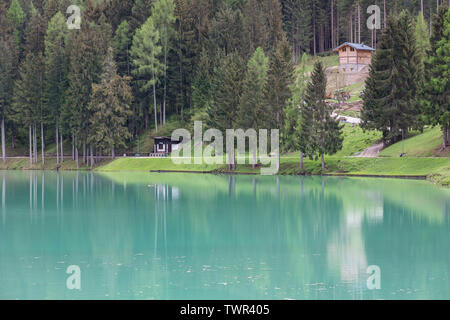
x: 434, y: 170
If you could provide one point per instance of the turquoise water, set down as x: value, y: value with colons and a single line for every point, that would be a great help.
x: 187, y: 236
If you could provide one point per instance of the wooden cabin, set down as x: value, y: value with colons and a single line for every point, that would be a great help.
x: 354, y: 56
x: 165, y: 145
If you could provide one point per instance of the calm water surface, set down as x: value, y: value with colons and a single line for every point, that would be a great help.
x: 187, y: 236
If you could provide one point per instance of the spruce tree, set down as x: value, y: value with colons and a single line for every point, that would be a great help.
x: 28, y: 98
x: 436, y: 92
x: 390, y: 98
x: 253, y: 113
x: 122, y: 45
x: 145, y: 54
x: 322, y: 132
x: 164, y: 18
x: 292, y: 130
x: 8, y: 71
x: 56, y: 82
x: 228, y: 85
x: 109, y: 109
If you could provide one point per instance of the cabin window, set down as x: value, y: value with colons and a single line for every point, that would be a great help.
x: 352, y: 49
x: 344, y: 49
x: 161, y: 147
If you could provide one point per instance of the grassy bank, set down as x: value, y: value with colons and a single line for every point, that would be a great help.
x: 437, y: 169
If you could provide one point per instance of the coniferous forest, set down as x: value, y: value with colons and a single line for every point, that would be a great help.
x: 134, y: 65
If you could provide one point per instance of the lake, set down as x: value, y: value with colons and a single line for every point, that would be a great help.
x: 189, y: 236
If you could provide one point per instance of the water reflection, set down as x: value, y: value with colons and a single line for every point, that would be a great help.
x: 177, y: 236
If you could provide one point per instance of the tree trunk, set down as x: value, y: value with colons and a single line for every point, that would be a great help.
x: 359, y: 22
x: 3, y: 140
x: 165, y: 78
x: 254, y: 159
x: 76, y: 152
x: 301, y: 161
x: 62, y: 147
x: 35, y: 143
x: 154, y: 103
x: 42, y: 144
x: 444, y: 138
x: 384, y: 5
x: 92, y: 156
x: 323, y: 161
x: 31, y: 144
x: 84, y: 152
x: 73, y: 147
x: 332, y: 24
x: 57, y: 144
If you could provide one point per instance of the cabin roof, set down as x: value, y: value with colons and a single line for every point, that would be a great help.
x: 165, y: 138
x: 357, y: 46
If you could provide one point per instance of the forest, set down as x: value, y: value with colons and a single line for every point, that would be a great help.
x: 135, y: 65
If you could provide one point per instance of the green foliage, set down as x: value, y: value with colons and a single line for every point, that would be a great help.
x: 56, y: 63
x: 109, y: 107
x: 436, y: 93
x: 122, y: 43
x: 253, y: 111
x: 227, y: 90
x: 320, y: 133
x: 390, y: 99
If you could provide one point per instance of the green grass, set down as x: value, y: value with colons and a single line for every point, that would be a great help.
x: 327, y: 61
x: 355, y: 140
x: 422, y: 145
x: 149, y: 164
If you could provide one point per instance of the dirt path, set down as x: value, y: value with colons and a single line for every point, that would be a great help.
x: 372, y: 151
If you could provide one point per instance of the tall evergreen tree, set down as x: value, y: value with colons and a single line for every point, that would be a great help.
x: 436, y: 93
x: 28, y: 99
x: 122, y: 45
x: 252, y: 112
x: 390, y: 98
x: 145, y: 54
x: 109, y: 108
x: 322, y: 131
x: 56, y: 81
x: 292, y: 131
x: 164, y: 18
x: 228, y: 85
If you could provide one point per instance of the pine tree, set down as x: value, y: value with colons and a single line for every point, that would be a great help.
x: 122, y: 44
x: 201, y: 87
x: 8, y: 71
x: 109, y: 108
x: 280, y: 77
x: 164, y: 18
x: 145, y: 54
x: 85, y: 56
x: 436, y: 93
x: 252, y: 112
x: 322, y: 132
x: 292, y: 130
x: 17, y: 16
x: 56, y: 81
x: 390, y: 98
x: 28, y: 99
x: 228, y: 85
